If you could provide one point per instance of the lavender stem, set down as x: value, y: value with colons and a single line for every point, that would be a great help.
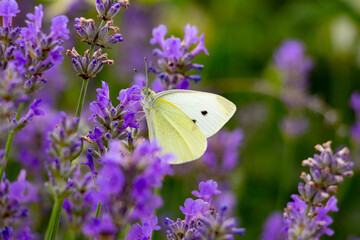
x: 9, y: 143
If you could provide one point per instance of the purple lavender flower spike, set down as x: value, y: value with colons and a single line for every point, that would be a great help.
x: 15, y: 198
x: 126, y: 184
x: 207, y: 190
x: 294, y: 67
x: 113, y: 122
x: 202, y: 220
x: 8, y: 10
x: 306, y: 216
x: 174, y: 66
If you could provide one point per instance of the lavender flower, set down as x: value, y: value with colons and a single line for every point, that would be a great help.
x: 113, y: 122
x: 87, y: 67
x: 15, y: 198
x: 203, y: 221
x: 174, y: 64
x: 8, y: 10
x: 306, y: 217
x: 108, y: 9
x: 294, y: 67
x: 144, y: 231
x: 311, y: 224
x: 126, y: 185
x: 26, y: 54
x: 355, y: 105
x: 222, y: 154
x: 273, y: 227
x: 88, y: 32
x: 65, y: 144
x: 91, y: 63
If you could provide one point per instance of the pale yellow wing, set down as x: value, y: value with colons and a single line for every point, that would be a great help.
x: 175, y: 132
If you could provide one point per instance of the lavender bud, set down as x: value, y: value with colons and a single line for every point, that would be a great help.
x: 77, y: 66
x: 100, y: 7
x: 115, y: 8
x: 9, y: 52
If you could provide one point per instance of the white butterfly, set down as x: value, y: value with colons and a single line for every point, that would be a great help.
x: 181, y: 120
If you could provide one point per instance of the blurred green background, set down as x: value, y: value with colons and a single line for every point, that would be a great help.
x: 241, y: 36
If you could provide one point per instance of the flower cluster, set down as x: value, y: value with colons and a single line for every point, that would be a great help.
x: 91, y: 63
x: 108, y: 9
x: 113, y: 122
x: 65, y: 144
x: 14, y: 200
x: 87, y: 67
x: 126, y: 185
x: 294, y: 67
x: 174, y: 64
x: 202, y: 221
x: 306, y: 217
x: 25, y: 54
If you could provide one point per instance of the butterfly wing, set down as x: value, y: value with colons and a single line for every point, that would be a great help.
x: 208, y: 111
x: 175, y: 132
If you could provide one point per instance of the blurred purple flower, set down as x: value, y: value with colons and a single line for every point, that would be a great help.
x: 294, y: 126
x: 222, y: 154
x: 273, y: 227
x: 207, y: 190
x: 194, y: 208
x: 144, y: 232
x: 127, y: 181
x: 15, y: 198
x: 355, y: 105
x: 103, y: 228
x: 8, y: 10
x: 295, y: 66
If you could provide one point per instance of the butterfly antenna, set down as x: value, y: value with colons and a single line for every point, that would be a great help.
x: 146, y: 72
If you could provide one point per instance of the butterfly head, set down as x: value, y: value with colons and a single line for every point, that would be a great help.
x: 147, y: 93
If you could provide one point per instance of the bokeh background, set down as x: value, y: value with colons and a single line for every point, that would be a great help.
x: 242, y: 37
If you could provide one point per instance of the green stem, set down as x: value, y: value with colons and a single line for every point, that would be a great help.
x: 98, y: 209
x: 80, y: 105
x: 123, y: 233
x: 307, y: 209
x: 54, y: 220
x: 9, y: 143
